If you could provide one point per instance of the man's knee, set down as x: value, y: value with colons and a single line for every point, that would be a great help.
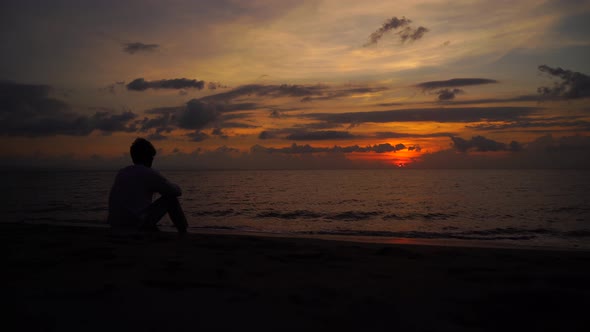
x: 170, y: 200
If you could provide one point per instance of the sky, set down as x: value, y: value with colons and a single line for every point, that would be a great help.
x: 268, y: 84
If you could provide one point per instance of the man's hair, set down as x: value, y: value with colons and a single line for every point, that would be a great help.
x: 142, y: 151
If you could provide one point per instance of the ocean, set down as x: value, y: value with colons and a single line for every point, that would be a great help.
x: 522, y: 208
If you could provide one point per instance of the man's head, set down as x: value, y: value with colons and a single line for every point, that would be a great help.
x: 142, y: 152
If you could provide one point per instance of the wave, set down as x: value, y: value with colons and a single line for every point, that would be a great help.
x: 216, y: 213
x: 352, y: 215
x: 304, y: 214
x: 490, y: 234
x: 415, y: 216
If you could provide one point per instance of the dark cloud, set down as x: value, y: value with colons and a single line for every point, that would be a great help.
x: 107, y: 122
x: 308, y: 149
x: 303, y: 134
x: 406, y: 33
x: 270, y: 91
x: 219, y: 132
x: 320, y: 135
x: 139, y: 84
x: 576, y: 143
x: 482, y: 144
x: 160, y: 123
x: 391, y: 24
x: 215, y: 85
x: 536, y: 98
x: 416, y: 148
x: 29, y: 110
x: 573, y: 85
x: 196, y: 115
x: 197, y: 136
x: 138, y: 47
x: 156, y: 137
x: 546, y: 152
x: 228, y: 124
x: 569, y: 122
x: 443, y: 115
x: 238, y: 107
x: 448, y: 94
x: 453, y: 83
x: 390, y: 134
x: 266, y: 134
x: 306, y: 93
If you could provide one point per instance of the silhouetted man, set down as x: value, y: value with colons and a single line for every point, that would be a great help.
x: 130, y: 199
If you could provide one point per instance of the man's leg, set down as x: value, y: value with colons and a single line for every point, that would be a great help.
x: 165, y: 204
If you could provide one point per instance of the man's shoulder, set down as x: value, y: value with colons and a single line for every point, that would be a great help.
x: 137, y: 170
x: 141, y: 171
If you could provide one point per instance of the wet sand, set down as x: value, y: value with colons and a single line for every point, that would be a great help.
x: 59, y: 278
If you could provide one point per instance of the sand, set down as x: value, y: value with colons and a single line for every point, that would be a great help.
x: 60, y: 278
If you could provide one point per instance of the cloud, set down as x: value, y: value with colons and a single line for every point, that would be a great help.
x: 138, y: 47
x: 412, y: 34
x: 219, y: 132
x: 569, y: 122
x: 139, y: 84
x: 390, y: 134
x: 546, y: 152
x: 271, y: 91
x: 196, y: 115
x: 343, y: 92
x: 442, y: 115
x: 156, y: 137
x: 29, y: 110
x: 448, y: 94
x: 391, y: 24
x: 537, y: 98
x: 320, y: 135
x: 299, y: 134
x: 197, y: 136
x: 229, y: 124
x: 573, y: 85
x: 161, y: 123
x: 483, y: 144
x: 453, y: 83
x: 215, y: 85
x: 308, y: 149
x: 107, y: 122
x: 275, y: 114
x: 305, y: 93
x: 406, y: 33
x: 303, y: 134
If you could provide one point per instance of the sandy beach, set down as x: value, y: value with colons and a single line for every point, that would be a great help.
x: 59, y: 278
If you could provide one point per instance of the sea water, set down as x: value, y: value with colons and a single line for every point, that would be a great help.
x: 547, y: 208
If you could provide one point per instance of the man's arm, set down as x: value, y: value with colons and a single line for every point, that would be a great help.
x: 165, y: 187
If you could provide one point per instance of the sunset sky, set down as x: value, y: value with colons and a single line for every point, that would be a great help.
x: 296, y: 84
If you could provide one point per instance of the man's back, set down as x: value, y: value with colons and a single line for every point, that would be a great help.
x: 132, y: 193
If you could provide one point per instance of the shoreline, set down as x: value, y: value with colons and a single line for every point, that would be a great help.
x: 446, y: 242
x: 80, y: 278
